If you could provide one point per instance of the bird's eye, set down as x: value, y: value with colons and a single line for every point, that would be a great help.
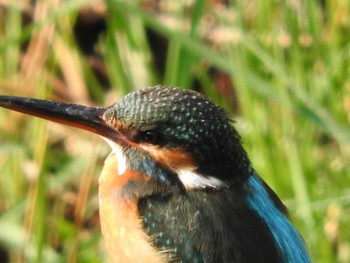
x: 150, y: 136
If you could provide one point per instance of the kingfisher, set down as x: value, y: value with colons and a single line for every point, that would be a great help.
x: 178, y: 185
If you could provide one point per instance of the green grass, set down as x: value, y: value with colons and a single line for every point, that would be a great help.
x: 288, y: 62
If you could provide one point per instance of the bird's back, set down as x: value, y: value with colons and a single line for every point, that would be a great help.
x: 208, y: 227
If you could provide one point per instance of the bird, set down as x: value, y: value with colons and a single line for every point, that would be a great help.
x: 178, y: 185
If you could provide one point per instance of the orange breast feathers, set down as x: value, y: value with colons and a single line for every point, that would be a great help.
x: 120, y: 222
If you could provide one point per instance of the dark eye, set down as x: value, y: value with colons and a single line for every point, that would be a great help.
x: 150, y: 136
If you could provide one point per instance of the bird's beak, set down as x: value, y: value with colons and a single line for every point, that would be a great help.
x: 83, y: 117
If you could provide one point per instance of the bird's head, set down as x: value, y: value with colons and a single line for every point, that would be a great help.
x: 183, y: 131
x: 175, y: 136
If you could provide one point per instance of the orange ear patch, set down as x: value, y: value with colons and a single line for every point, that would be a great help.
x: 175, y: 159
x: 120, y: 222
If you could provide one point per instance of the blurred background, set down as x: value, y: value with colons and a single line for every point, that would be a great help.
x: 281, y: 68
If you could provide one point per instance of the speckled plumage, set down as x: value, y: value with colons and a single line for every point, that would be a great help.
x: 150, y: 212
x: 208, y: 224
x: 185, y: 119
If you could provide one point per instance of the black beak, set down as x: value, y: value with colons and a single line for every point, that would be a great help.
x: 83, y: 117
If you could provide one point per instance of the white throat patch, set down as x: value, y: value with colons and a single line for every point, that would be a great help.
x: 189, y: 178
x: 118, y: 152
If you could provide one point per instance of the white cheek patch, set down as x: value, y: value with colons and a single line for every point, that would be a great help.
x: 118, y: 152
x: 192, y: 180
x: 189, y: 178
x: 186, y: 173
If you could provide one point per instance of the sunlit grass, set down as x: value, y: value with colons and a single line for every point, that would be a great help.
x: 287, y: 61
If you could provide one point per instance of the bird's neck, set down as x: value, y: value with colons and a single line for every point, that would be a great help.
x: 120, y: 222
x: 224, y: 158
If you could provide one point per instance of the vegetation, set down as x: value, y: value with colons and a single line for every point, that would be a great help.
x: 280, y: 67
